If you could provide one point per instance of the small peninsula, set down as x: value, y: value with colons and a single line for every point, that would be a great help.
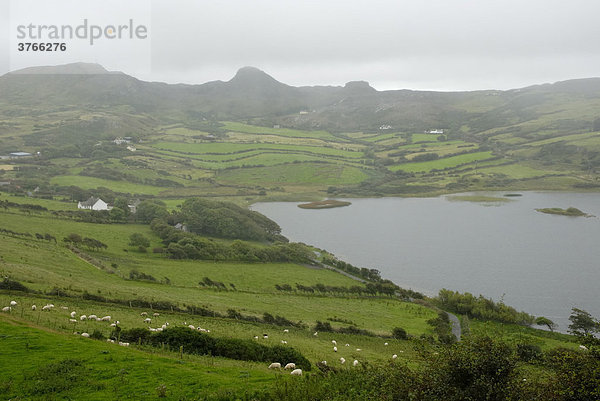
x: 325, y: 204
x: 572, y: 211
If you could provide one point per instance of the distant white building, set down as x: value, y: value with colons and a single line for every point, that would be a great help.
x: 435, y: 131
x: 15, y: 155
x: 93, y: 204
x: 385, y: 126
x: 119, y: 141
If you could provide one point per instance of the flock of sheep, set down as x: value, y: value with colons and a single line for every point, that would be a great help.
x: 275, y: 365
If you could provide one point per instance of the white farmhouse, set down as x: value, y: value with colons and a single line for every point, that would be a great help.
x: 93, y: 204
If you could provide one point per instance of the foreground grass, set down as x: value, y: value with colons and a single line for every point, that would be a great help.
x: 57, y: 366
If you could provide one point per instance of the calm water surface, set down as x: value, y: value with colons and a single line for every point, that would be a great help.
x: 542, y: 264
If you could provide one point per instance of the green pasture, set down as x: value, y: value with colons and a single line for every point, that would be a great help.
x: 229, y: 148
x: 295, y: 174
x: 117, y: 186
x: 447, y: 162
x: 104, y: 371
x: 47, y: 203
x: 253, y: 129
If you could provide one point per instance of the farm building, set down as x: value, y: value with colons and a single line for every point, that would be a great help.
x: 93, y: 204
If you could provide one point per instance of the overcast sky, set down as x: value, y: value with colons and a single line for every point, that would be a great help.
x: 393, y: 44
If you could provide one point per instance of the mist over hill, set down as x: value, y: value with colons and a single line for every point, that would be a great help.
x: 255, y: 96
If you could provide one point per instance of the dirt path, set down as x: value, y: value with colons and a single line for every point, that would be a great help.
x: 455, y: 325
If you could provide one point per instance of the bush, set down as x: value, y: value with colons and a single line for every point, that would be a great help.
x: 195, y: 342
x: 529, y: 352
x: 399, y: 333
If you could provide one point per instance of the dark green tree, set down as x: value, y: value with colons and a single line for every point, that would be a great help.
x: 140, y: 241
x: 544, y: 321
x: 582, y: 323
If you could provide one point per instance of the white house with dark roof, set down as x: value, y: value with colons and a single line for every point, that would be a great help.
x: 93, y: 204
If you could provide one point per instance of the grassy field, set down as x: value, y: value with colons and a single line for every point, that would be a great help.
x: 443, y: 163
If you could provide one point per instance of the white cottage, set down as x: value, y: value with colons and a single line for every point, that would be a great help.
x: 93, y: 204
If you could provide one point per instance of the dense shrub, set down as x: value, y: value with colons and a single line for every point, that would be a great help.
x: 9, y: 284
x: 195, y: 342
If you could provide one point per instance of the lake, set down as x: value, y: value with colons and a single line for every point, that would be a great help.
x: 540, y: 263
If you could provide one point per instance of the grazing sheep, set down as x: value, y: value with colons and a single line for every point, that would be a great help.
x: 394, y: 356
x: 205, y: 330
x: 324, y: 363
x: 86, y: 335
x: 164, y: 327
x: 256, y: 337
x: 151, y: 329
x: 286, y: 331
x: 110, y: 340
x: 275, y: 365
x: 13, y: 303
x: 347, y: 345
x: 342, y: 361
x: 73, y: 314
x: 106, y: 319
x: 83, y: 317
x: 147, y: 320
x: 385, y: 344
x: 355, y: 363
x: 265, y: 336
x: 46, y: 307
x: 92, y: 317
x: 583, y: 347
x: 290, y: 366
x: 123, y: 344
x: 73, y: 320
x: 33, y: 307
x: 64, y: 307
x: 159, y: 329
x: 156, y: 314
x: 283, y: 342
x: 113, y: 325
x: 296, y: 372
x: 334, y: 349
x: 51, y: 306
x: 144, y: 314
x: 6, y: 309
x: 333, y: 342
x: 316, y: 333
x: 191, y: 326
x: 358, y: 349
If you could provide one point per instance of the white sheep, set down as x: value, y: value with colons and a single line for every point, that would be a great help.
x: 283, y: 342
x: 256, y: 337
x: 159, y: 329
x: 6, y: 309
x: 333, y: 342
x: 144, y: 314
x: 51, y: 306
x: 290, y: 365
x: 64, y: 307
x: 583, y: 347
x: 275, y: 365
x: 147, y: 320
x: 83, y: 317
x: 151, y: 329
x: 113, y: 325
x: 13, y: 303
x: 191, y: 326
x: 296, y: 372
x: 164, y: 326
x: 73, y: 320
x: 355, y: 363
x: 123, y: 344
x: 86, y: 335
x: 334, y: 349
x: 347, y: 345
x: 106, y: 319
x: 156, y: 314
x: 110, y: 340
x: 394, y: 356
x: 286, y: 331
x: 316, y: 333
x: 46, y: 307
x: 73, y: 314
x: 92, y: 317
x: 265, y: 336
x: 358, y: 349
x: 324, y: 363
x: 342, y: 360
x: 33, y: 307
x: 385, y: 344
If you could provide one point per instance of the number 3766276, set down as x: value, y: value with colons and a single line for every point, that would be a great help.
x: 41, y: 47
